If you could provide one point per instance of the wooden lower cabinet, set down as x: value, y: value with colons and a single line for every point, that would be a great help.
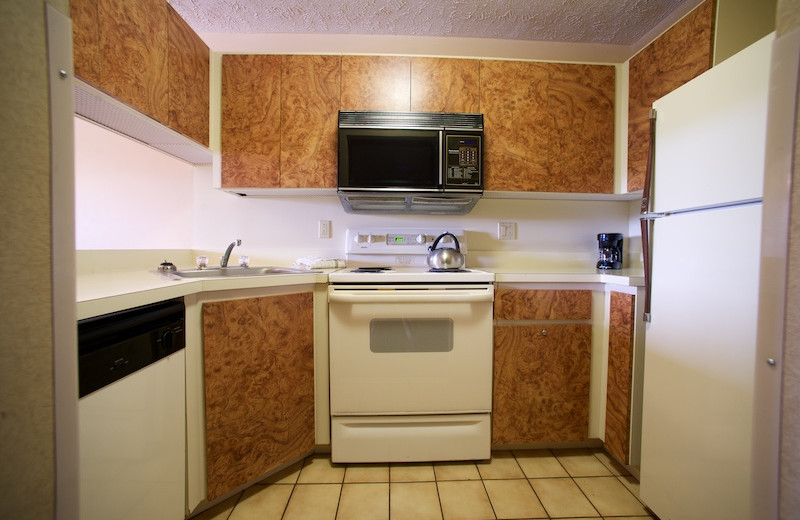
x: 541, y: 383
x: 620, y: 376
x: 259, y: 386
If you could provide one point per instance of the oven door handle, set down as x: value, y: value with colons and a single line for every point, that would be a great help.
x: 411, y: 296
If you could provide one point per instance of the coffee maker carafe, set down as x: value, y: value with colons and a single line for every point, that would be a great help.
x: 609, y: 255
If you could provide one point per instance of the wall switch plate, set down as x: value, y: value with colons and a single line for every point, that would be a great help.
x: 507, y: 230
x: 324, y: 230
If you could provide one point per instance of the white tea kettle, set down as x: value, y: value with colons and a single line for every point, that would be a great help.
x: 446, y: 258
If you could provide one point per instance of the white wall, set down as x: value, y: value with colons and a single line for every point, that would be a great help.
x: 129, y: 196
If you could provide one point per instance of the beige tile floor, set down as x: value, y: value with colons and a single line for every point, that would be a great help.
x: 524, y: 484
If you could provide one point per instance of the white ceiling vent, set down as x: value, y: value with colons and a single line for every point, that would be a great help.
x: 102, y: 109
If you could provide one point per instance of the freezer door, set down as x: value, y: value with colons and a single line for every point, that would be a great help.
x: 699, y: 364
x: 710, y: 134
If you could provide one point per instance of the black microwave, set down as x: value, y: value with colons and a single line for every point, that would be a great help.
x: 410, y: 161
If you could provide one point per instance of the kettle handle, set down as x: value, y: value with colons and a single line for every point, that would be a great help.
x: 436, y: 242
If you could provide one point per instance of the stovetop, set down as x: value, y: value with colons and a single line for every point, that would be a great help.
x: 389, y: 255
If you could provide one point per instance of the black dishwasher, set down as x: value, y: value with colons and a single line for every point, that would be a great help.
x: 118, y: 344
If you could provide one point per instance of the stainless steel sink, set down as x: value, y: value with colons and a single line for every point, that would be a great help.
x: 223, y: 272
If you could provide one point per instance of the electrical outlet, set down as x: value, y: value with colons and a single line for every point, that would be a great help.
x: 324, y: 229
x: 507, y: 230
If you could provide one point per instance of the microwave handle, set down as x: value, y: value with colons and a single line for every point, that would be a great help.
x: 442, y: 152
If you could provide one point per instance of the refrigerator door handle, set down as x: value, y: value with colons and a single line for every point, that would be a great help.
x: 646, y: 217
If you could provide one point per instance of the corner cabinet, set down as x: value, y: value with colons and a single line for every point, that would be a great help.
x: 542, y: 370
x: 677, y: 56
x: 143, y: 54
x: 259, y: 387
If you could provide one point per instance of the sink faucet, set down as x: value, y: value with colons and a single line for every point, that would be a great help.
x: 223, y: 262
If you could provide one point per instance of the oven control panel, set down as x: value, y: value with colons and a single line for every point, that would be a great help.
x: 407, y: 241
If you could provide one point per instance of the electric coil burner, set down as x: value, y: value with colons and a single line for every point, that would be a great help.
x: 410, y: 352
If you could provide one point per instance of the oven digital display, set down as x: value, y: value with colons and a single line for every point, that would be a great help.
x: 399, y: 240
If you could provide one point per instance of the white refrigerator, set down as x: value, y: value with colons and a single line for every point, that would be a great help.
x: 704, y: 224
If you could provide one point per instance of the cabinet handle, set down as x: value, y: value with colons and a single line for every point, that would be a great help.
x: 771, y: 362
x: 544, y: 332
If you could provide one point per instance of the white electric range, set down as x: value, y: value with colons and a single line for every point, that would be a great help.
x: 410, y: 352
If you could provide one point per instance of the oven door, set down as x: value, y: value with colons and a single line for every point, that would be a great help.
x: 401, y: 350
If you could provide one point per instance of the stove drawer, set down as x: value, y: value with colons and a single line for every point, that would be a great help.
x: 413, y: 438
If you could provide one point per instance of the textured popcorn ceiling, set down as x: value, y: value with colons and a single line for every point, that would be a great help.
x: 616, y: 22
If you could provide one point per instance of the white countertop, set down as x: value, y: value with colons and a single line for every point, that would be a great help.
x: 101, y: 290
x: 101, y: 293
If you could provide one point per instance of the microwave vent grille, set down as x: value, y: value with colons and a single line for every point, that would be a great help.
x: 432, y: 120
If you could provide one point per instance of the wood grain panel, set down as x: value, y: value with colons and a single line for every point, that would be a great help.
x: 552, y: 126
x: 188, y: 80
x: 310, y: 91
x: 529, y: 304
x: 376, y: 83
x: 541, y: 384
x: 85, y: 40
x: 620, y: 362
x: 581, y: 101
x: 513, y: 98
x: 445, y: 85
x: 251, y: 123
x: 679, y: 55
x: 133, y: 54
x: 259, y: 386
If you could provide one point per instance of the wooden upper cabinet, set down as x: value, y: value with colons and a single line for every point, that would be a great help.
x: 144, y: 54
x: 679, y: 55
x: 549, y: 126
x: 445, y: 85
x: 581, y: 100
x: 133, y: 54
x: 86, y: 39
x: 188, y: 80
x: 251, y: 120
x: 376, y: 83
x: 310, y: 89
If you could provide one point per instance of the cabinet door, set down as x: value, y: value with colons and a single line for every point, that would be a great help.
x: 620, y: 363
x: 85, y: 40
x: 445, y: 85
x: 376, y: 83
x: 514, y: 105
x: 541, y: 383
x: 679, y: 55
x: 552, y: 126
x: 251, y: 120
x: 259, y: 386
x: 133, y: 54
x: 188, y: 80
x: 581, y: 102
x: 310, y: 89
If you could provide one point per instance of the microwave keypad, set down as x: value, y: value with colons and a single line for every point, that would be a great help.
x: 467, y: 156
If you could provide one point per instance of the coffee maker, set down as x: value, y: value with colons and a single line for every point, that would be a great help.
x: 609, y: 255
